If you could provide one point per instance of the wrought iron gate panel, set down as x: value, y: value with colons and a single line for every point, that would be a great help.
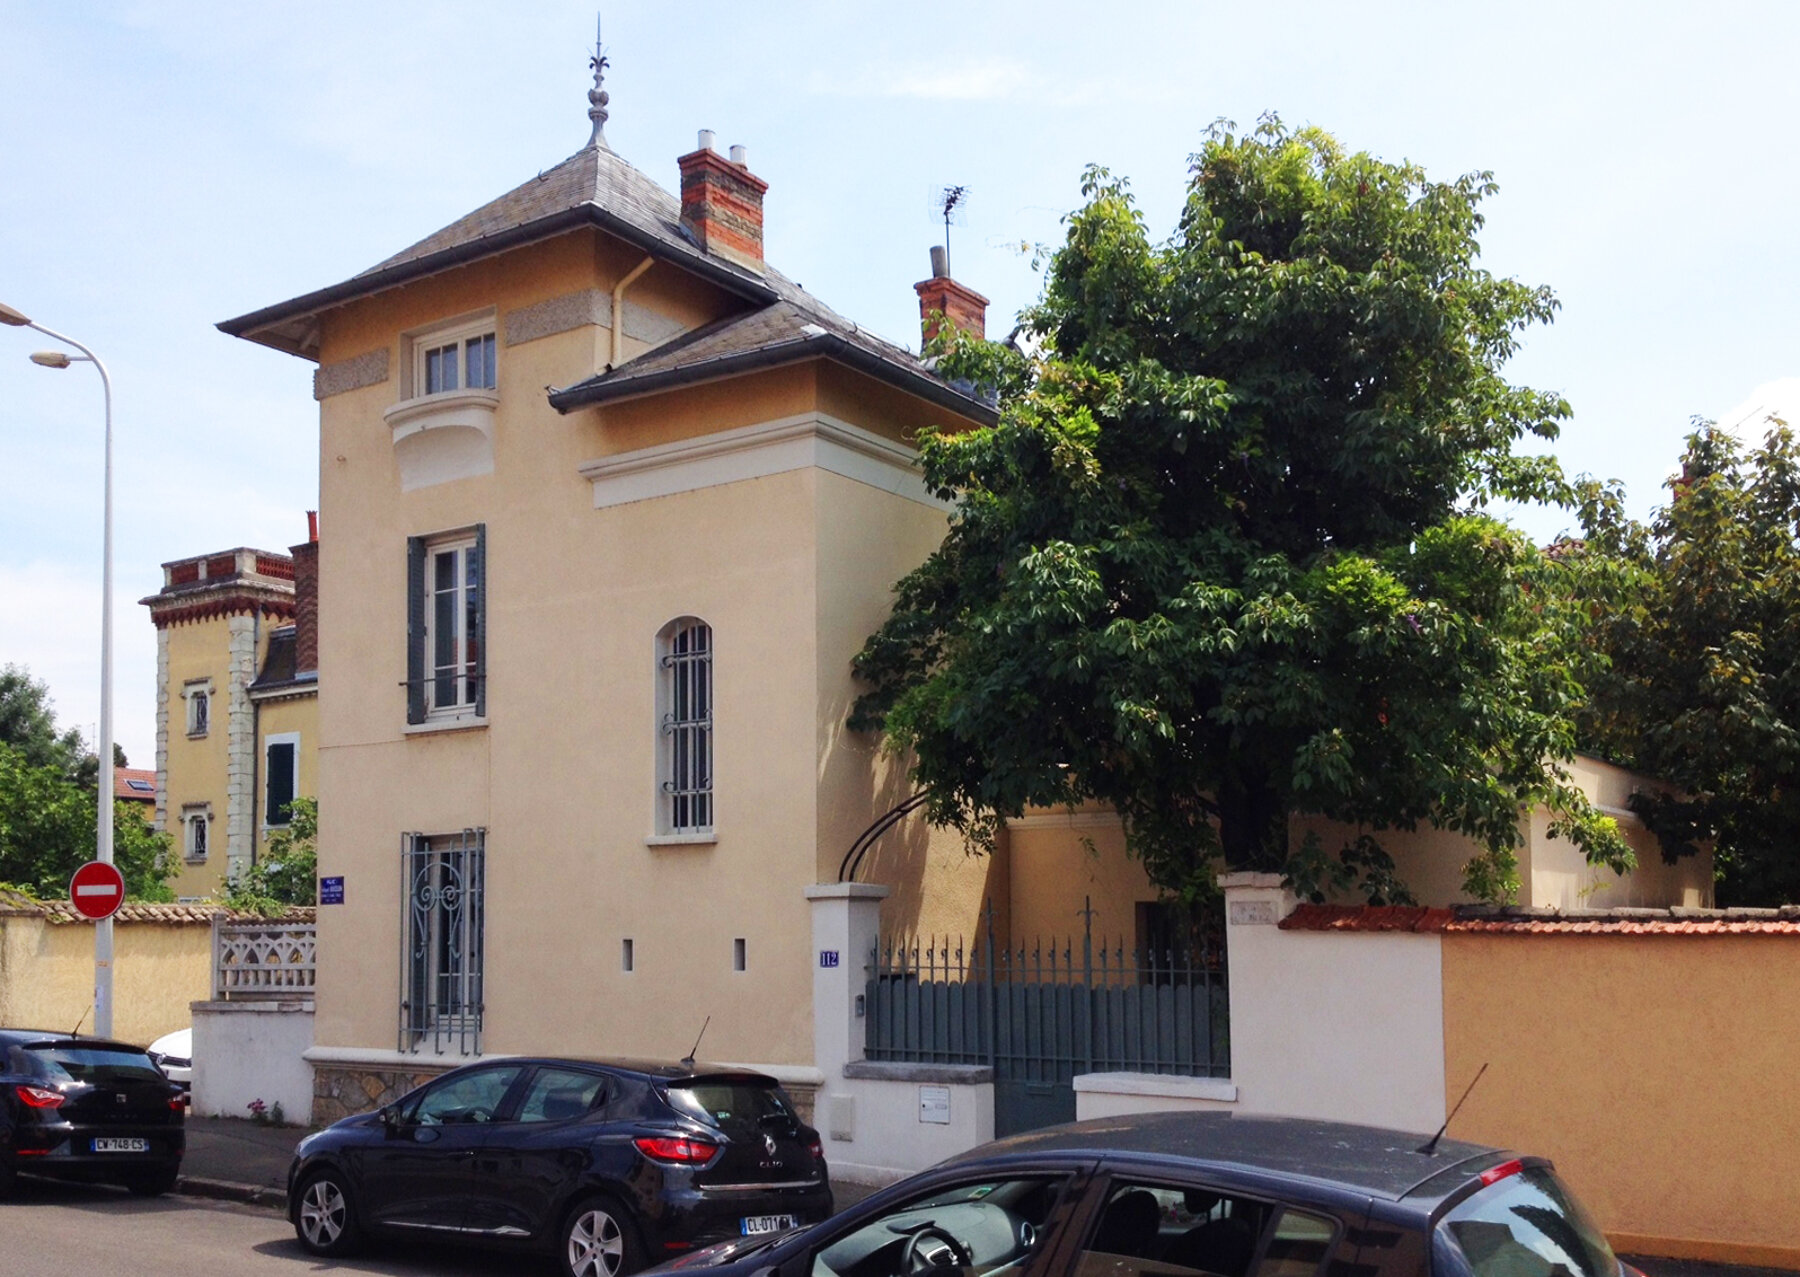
x: 1041, y: 1014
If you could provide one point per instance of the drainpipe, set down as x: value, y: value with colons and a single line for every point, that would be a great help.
x: 618, y: 312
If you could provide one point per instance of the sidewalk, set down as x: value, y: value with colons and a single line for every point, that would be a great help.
x: 238, y: 1159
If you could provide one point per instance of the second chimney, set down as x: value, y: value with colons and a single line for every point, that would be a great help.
x: 306, y: 597
x: 721, y: 204
x: 942, y: 300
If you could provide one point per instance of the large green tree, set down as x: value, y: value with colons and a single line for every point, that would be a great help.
x: 47, y: 833
x: 1223, y: 558
x: 28, y: 724
x: 1703, y: 687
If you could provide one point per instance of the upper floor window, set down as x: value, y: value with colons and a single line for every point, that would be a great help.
x: 199, y: 706
x: 457, y: 356
x: 685, y: 753
x: 446, y: 667
x: 464, y: 365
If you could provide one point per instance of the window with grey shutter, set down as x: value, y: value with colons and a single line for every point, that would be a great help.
x: 447, y: 626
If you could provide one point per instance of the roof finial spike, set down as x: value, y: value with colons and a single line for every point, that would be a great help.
x: 598, y: 97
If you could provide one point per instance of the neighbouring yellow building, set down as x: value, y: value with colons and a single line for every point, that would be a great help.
x: 613, y: 503
x: 236, y: 706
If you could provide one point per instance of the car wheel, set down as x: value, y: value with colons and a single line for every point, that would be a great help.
x: 153, y: 1183
x: 598, y: 1240
x: 8, y: 1177
x: 325, y: 1220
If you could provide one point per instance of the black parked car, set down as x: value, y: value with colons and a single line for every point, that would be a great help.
x: 1186, y: 1194
x: 87, y: 1109
x: 607, y: 1165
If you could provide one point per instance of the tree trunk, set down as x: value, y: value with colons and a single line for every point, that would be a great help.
x: 1252, y: 825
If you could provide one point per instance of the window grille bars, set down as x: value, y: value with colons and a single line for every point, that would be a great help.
x: 687, y: 729
x: 441, y: 960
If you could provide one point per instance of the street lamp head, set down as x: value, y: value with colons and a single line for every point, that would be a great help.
x: 10, y: 316
x: 50, y: 358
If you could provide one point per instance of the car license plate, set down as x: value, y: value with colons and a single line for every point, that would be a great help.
x: 754, y: 1224
x: 121, y: 1146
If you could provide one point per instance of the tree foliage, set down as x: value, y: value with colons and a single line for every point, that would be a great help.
x: 288, y: 873
x: 28, y: 724
x: 47, y: 833
x: 1703, y: 688
x: 1223, y: 558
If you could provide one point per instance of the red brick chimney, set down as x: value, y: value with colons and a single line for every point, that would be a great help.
x: 306, y: 597
x: 721, y: 203
x: 942, y: 299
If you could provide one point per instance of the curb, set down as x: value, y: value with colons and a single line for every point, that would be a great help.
x: 227, y: 1191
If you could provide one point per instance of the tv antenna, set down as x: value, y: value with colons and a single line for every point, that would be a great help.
x: 950, y: 203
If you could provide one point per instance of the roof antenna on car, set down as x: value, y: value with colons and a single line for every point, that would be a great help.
x: 76, y: 1031
x: 687, y: 1061
x: 1431, y: 1145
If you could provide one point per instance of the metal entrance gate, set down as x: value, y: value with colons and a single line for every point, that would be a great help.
x: 1041, y: 1014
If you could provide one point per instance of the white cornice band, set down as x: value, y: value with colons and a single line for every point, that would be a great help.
x: 810, y: 440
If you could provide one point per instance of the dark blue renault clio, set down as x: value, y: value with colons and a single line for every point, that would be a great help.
x: 608, y: 1165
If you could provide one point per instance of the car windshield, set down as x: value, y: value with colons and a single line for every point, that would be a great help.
x: 1529, y: 1225
x: 733, y: 1105
x: 97, y: 1065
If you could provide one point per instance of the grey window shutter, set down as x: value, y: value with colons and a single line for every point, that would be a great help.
x: 415, y: 629
x: 480, y: 635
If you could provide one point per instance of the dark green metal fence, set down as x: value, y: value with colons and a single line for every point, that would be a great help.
x: 1040, y: 1014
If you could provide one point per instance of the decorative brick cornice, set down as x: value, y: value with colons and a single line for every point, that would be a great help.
x: 225, y: 600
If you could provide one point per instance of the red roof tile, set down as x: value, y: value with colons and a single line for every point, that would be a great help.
x: 142, y: 791
x: 1366, y: 918
x: 1476, y: 920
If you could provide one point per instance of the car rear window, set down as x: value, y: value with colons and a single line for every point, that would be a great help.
x: 733, y: 1105
x: 96, y: 1065
x: 1529, y: 1225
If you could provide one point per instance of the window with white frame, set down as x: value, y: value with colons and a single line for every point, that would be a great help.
x: 459, y: 356
x: 446, y: 642
x: 195, y: 821
x: 685, y: 727
x: 198, y: 695
x: 281, y: 777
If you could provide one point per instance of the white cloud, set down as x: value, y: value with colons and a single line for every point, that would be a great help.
x: 982, y: 80
x: 1749, y: 420
x: 50, y: 623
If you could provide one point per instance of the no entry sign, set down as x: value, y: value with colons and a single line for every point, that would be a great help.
x: 97, y: 890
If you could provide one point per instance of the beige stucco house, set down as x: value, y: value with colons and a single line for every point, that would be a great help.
x: 613, y: 503
x: 236, y: 706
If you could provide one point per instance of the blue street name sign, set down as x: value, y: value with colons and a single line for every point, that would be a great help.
x: 331, y: 891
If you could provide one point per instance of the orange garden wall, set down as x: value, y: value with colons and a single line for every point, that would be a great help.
x: 1658, y: 1070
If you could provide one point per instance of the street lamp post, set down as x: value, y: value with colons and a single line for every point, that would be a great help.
x: 103, y: 823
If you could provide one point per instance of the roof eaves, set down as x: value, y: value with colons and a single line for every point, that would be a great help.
x: 260, y: 325
x: 620, y: 385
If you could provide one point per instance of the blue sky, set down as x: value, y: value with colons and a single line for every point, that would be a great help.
x: 164, y: 166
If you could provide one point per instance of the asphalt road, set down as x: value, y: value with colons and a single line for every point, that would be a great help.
x: 73, y: 1230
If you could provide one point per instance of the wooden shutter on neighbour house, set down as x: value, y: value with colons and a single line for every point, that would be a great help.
x: 415, y: 629
x: 279, y: 800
